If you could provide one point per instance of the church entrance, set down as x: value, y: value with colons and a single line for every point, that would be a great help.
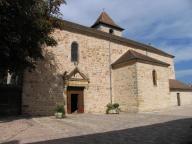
x: 75, y: 100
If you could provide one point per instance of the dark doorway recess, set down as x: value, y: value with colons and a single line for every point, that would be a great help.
x: 74, y: 103
x: 10, y: 101
x: 75, y: 100
x: 178, y: 99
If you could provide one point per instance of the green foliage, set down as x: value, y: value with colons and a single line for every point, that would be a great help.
x: 116, y: 105
x: 24, y: 26
x: 111, y: 106
x: 54, y: 6
x: 60, y: 109
x: 57, y: 23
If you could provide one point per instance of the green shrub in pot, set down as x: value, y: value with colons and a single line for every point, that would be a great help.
x: 113, y: 108
x: 59, y: 111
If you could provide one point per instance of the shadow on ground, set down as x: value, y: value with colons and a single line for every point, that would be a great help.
x: 4, y: 119
x: 173, y: 132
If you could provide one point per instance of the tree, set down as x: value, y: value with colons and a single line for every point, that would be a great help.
x: 25, y: 25
x: 54, y: 6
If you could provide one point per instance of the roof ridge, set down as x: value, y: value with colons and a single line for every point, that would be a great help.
x: 178, y: 85
x: 104, y: 14
x: 131, y: 55
x: 104, y: 18
x: 134, y: 53
x: 64, y: 24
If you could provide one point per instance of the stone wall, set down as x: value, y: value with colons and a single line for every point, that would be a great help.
x: 107, y: 29
x: 43, y: 88
x: 185, y: 97
x: 118, y: 50
x: 125, y: 88
x: 93, y: 62
x: 151, y: 97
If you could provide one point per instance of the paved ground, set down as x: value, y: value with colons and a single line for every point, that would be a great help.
x: 165, y: 127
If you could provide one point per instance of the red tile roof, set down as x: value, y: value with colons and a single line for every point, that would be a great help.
x: 105, y: 19
x: 177, y: 85
x: 131, y: 55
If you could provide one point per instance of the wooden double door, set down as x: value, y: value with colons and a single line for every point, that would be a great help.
x: 75, y: 100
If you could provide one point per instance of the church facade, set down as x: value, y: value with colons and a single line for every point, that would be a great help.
x: 93, y: 66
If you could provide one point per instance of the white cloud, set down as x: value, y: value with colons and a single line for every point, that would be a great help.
x: 144, y: 20
x: 181, y: 52
x: 150, y: 21
x: 134, y: 15
x: 184, y: 73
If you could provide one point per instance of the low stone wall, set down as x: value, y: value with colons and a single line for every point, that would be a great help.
x: 185, y: 98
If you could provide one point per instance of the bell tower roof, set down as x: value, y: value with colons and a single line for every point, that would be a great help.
x: 105, y: 19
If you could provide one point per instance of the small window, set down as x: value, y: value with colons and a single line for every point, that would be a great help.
x: 74, y: 52
x: 111, y: 31
x: 154, y: 75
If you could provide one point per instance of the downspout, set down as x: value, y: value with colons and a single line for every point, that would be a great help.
x: 110, y: 75
x: 137, y: 87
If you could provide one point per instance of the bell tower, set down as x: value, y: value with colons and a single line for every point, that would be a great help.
x: 106, y: 24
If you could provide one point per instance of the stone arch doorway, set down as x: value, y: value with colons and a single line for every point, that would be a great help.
x: 75, y: 100
x: 75, y: 82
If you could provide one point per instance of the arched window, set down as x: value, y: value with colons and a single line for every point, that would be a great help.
x: 74, y: 52
x: 154, y: 75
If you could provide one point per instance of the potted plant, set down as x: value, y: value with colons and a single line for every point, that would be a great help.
x: 113, y: 108
x: 59, y: 111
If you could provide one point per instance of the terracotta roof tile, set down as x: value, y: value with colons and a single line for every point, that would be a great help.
x: 131, y: 55
x: 177, y: 85
x: 104, y: 18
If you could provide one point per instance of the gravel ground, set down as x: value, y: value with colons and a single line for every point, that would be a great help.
x: 173, y: 126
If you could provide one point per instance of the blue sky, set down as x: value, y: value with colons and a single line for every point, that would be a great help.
x: 166, y: 24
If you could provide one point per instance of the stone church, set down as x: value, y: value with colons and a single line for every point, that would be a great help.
x: 93, y: 66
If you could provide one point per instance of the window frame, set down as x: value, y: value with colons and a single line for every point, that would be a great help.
x: 154, y: 77
x: 74, y: 52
